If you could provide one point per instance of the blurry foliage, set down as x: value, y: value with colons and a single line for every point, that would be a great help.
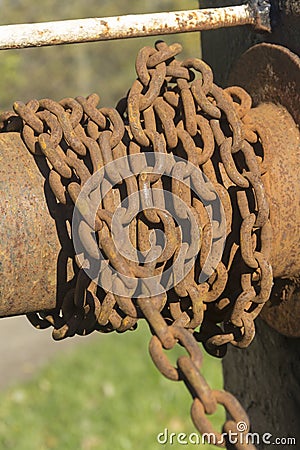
x: 79, y: 69
x: 105, y: 394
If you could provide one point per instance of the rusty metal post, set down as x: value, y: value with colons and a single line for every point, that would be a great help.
x: 265, y: 377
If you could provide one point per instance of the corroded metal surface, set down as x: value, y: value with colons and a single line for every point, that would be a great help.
x: 280, y: 136
x: 282, y: 312
x: 271, y: 73
x: 29, y: 245
x: 188, y: 286
x: 173, y: 109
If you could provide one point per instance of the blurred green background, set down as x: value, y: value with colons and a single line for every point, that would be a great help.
x: 78, y: 69
x: 102, y: 395
x: 106, y: 393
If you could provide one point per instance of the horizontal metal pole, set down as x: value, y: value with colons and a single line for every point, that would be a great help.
x: 107, y: 28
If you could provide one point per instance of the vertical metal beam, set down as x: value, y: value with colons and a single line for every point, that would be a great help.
x: 265, y: 377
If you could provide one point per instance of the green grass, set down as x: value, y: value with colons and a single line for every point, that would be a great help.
x: 104, y: 395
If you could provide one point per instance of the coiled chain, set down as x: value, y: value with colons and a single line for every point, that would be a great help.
x: 173, y: 109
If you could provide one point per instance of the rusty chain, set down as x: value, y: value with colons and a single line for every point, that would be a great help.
x: 172, y: 108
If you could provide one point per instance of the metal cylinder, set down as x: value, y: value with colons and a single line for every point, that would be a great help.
x: 33, y: 264
x: 280, y: 136
x: 29, y: 244
x: 271, y: 75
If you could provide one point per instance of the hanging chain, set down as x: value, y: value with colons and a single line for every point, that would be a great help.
x: 173, y: 108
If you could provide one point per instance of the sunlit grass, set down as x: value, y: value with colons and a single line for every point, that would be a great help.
x: 106, y: 394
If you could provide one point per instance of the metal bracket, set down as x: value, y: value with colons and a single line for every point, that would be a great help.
x: 263, y: 17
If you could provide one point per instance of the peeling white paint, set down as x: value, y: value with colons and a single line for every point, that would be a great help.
x: 107, y: 28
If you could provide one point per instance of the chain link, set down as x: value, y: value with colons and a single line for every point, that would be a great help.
x: 174, y: 108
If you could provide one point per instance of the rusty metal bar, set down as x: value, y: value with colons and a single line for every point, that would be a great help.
x: 29, y: 244
x: 129, y: 26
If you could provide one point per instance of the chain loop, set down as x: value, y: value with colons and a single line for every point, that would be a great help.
x: 172, y: 109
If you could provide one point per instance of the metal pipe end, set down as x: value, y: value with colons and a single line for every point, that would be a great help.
x: 262, y: 12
